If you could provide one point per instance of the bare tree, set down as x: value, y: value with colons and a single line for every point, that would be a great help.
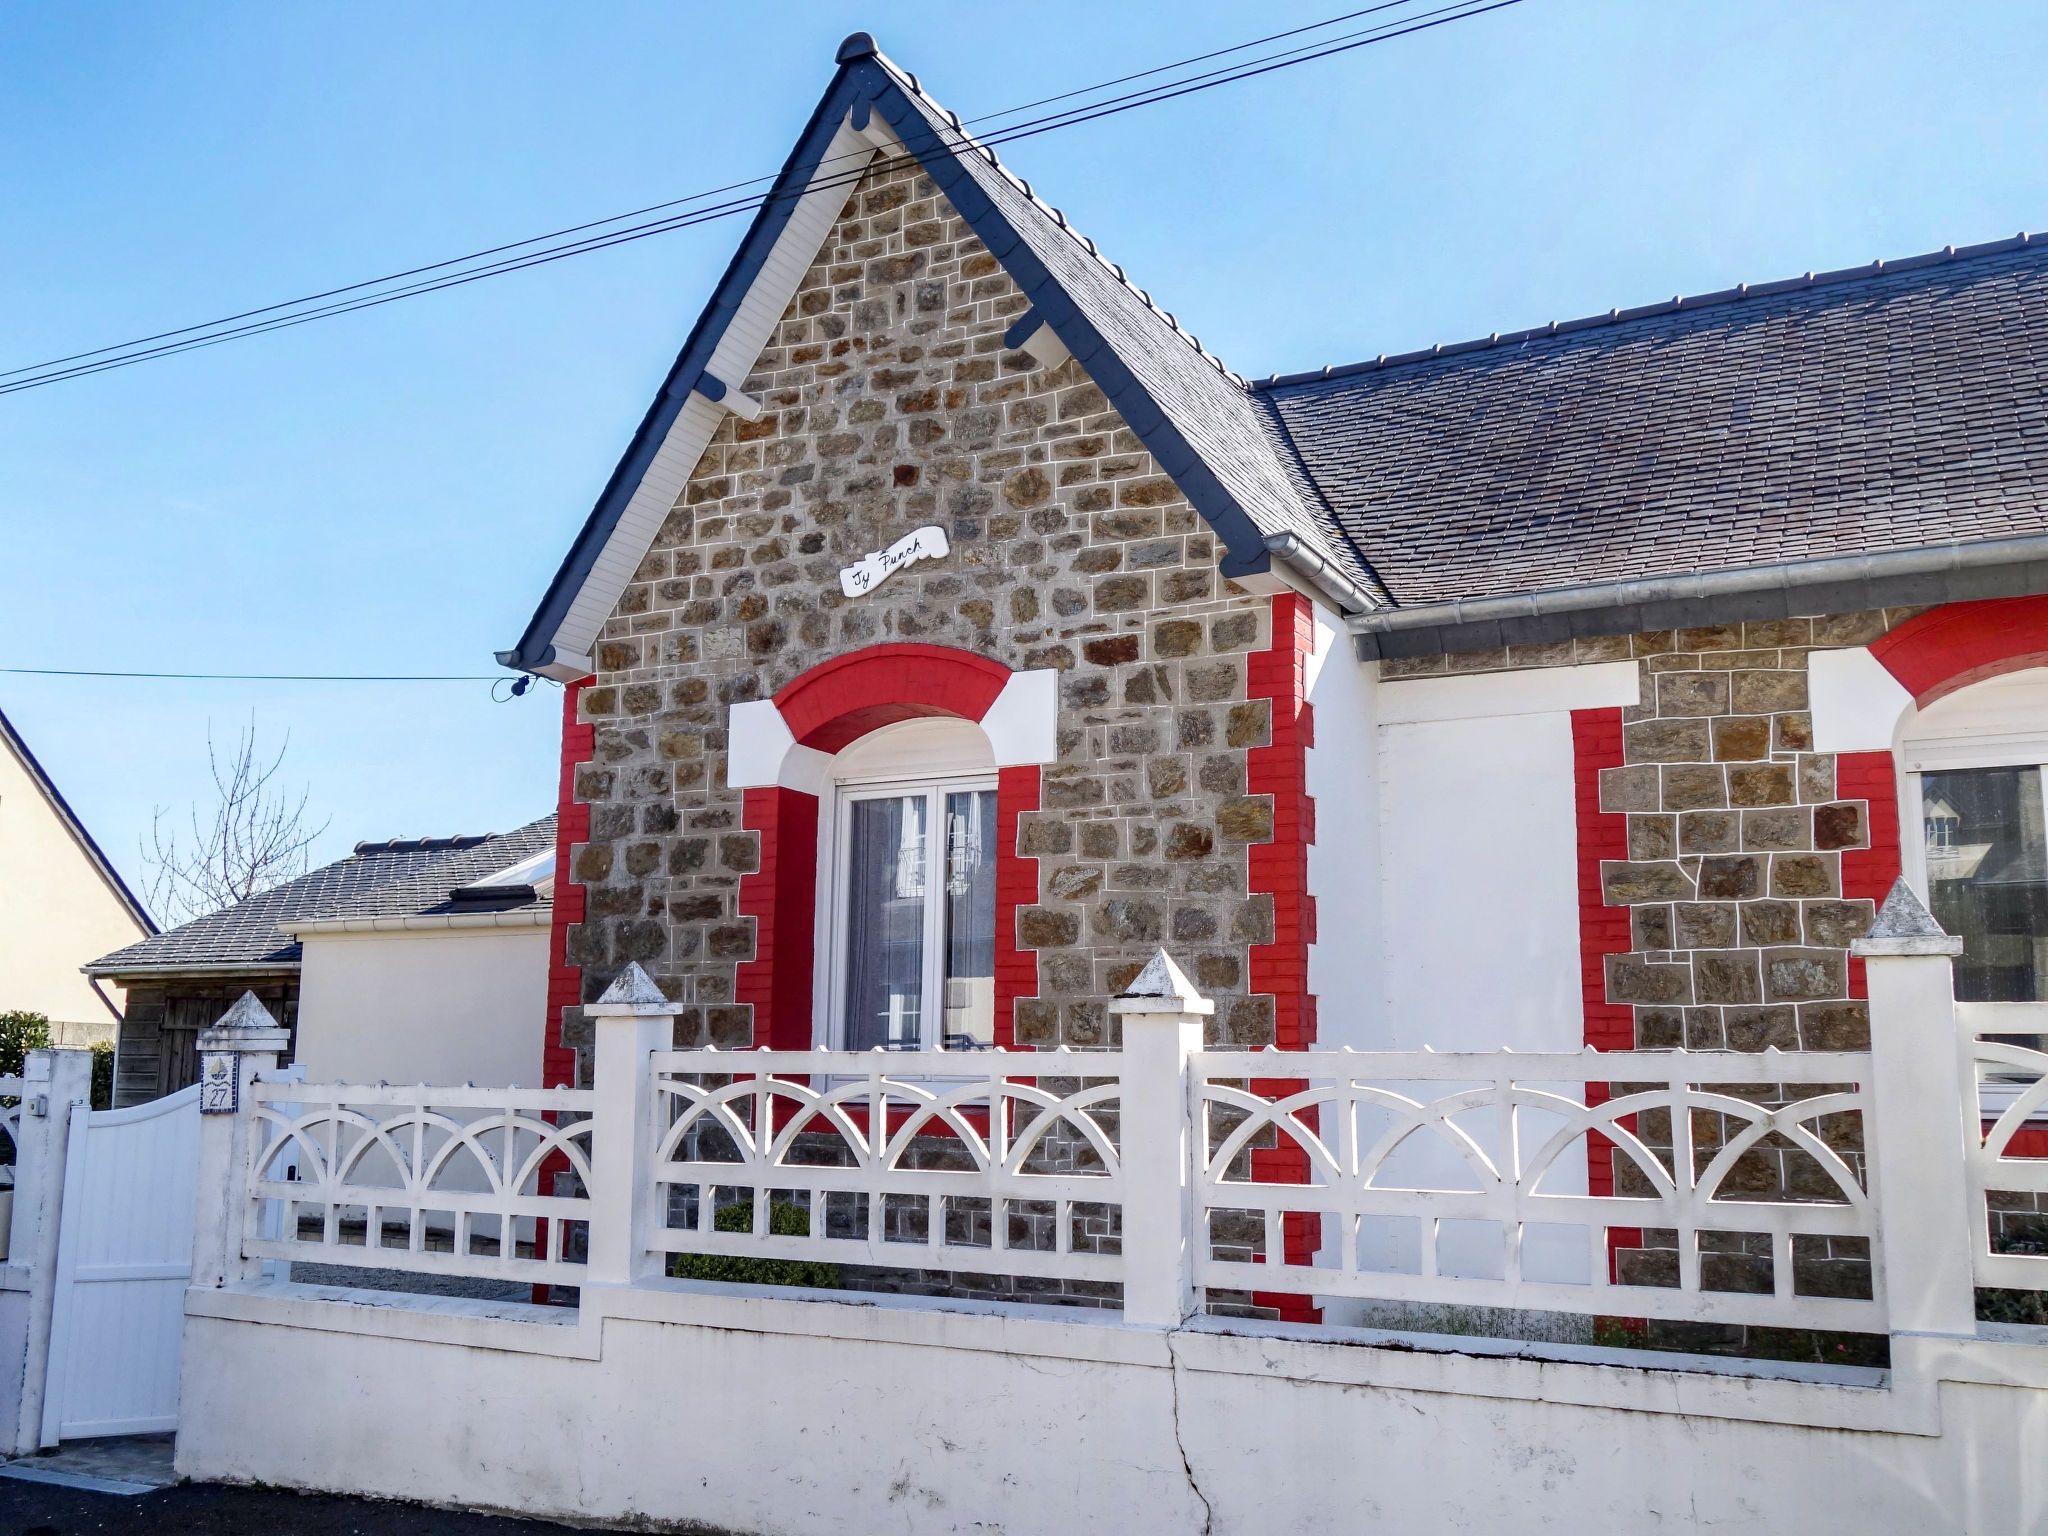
x: 255, y: 837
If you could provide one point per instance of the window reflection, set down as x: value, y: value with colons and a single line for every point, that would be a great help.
x: 1987, y: 878
x: 885, y: 924
x: 970, y: 921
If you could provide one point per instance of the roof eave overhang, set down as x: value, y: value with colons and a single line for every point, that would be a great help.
x: 867, y: 87
x: 130, y: 973
x: 1931, y: 574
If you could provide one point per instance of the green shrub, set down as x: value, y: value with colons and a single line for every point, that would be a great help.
x: 103, y: 1075
x: 785, y: 1219
x: 21, y: 1033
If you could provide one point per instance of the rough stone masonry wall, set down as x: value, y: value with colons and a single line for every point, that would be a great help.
x: 1739, y: 922
x: 890, y: 404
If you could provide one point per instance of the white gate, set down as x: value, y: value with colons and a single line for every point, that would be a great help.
x: 124, y: 1258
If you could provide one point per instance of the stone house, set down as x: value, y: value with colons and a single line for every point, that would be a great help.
x: 957, y: 630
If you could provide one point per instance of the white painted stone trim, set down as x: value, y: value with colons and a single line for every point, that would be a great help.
x: 1856, y: 703
x: 1023, y: 723
x: 757, y: 740
x: 1539, y: 691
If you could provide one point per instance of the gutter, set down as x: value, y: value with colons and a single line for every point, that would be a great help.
x: 1322, y: 573
x: 259, y: 968
x: 1937, y: 573
x: 440, y: 922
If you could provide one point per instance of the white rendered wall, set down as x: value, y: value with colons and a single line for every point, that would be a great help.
x: 1479, y: 857
x: 815, y: 1418
x: 56, y: 913
x: 1344, y: 964
x: 445, y: 1006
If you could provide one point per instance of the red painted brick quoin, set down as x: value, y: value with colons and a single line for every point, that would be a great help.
x: 1279, y: 868
x: 1868, y: 873
x: 781, y: 897
x: 1603, y: 930
x: 1017, y: 791
x: 1958, y: 644
x: 839, y: 701
x: 572, y: 826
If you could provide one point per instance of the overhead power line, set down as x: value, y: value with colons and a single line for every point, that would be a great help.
x: 601, y: 234
x: 261, y: 677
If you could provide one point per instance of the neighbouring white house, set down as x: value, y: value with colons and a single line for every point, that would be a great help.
x: 411, y: 960
x: 61, y: 903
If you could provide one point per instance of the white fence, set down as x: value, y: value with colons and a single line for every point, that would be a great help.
x: 892, y: 1159
x: 1463, y: 1178
x: 440, y: 1180
x: 2007, y: 1158
x: 1832, y: 1191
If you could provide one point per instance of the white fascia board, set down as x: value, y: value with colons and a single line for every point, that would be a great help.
x: 752, y: 324
x: 1856, y: 703
x: 1023, y: 724
x: 436, y: 922
x: 1539, y: 691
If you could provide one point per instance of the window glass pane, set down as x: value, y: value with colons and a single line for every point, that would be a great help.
x: 971, y: 921
x: 885, y: 924
x: 1987, y: 876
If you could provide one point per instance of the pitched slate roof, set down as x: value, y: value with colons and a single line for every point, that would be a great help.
x: 1192, y: 414
x: 1709, y: 452
x: 399, y: 878
x: 1888, y: 407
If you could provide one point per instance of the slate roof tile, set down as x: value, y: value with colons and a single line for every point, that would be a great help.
x: 1864, y: 411
x: 379, y: 880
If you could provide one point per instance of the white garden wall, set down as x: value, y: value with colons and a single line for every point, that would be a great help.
x: 756, y: 1413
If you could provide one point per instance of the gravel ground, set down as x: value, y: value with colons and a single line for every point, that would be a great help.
x: 212, y: 1509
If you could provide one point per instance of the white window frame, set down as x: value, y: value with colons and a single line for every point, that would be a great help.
x: 835, y: 860
x: 1918, y: 756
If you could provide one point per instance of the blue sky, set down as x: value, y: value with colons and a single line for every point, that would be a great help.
x: 390, y: 492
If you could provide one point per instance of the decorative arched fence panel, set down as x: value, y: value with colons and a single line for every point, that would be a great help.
x: 1461, y: 1179
x: 1000, y: 1161
x: 440, y: 1180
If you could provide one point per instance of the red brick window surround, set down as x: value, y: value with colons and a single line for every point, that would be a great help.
x: 827, y: 709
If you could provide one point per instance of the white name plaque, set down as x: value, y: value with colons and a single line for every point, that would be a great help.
x: 870, y: 571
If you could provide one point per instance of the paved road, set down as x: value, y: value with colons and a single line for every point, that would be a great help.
x: 210, y: 1509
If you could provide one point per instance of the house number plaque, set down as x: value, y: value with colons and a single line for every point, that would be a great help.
x: 870, y: 571
x: 219, y: 1084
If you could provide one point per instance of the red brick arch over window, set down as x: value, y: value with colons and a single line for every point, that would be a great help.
x: 837, y: 702
x: 1951, y: 647
x: 826, y: 709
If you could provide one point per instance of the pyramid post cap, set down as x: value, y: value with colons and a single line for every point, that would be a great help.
x: 634, y: 993
x: 858, y: 45
x: 246, y: 1026
x: 1161, y: 987
x: 1904, y: 926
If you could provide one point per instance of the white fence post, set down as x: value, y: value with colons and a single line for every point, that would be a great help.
x: 1917, y: 1135
x: 239, y: 1050
x: 1162, y: 1017
x: 634, y: 1020
x: 55, y: 1086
